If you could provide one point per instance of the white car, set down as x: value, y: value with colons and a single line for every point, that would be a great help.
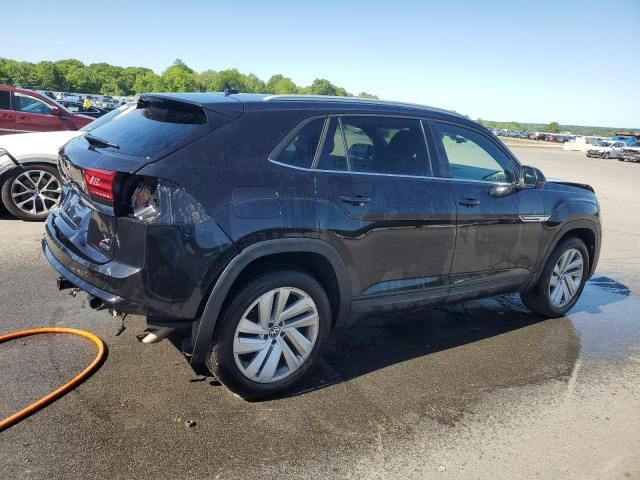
x: 606, y: 149
x: 29, y: 181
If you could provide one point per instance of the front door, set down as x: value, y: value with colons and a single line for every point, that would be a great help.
x: 499, y: 225
x: 34, y: 115
x: 379, y: 206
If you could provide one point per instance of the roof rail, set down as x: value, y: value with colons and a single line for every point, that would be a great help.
x: 371, y: 101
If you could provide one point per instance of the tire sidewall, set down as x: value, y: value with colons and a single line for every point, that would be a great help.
x: 545, y: 280
x: 221, y: 361
x: 6, y: 191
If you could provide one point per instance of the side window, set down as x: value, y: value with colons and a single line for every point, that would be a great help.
x: 385, y: 145
x: 300, y: 150
x: 333, y: 156
x: 28, y: 104
x: 5, y: 103
x: 471, y: 155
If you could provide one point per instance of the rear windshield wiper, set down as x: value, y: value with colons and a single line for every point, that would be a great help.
x: 99, y: 142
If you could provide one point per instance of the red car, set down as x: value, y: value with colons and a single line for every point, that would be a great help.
x: 28, y: 111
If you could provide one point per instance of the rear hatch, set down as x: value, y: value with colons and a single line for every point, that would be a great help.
x: 99, y: 168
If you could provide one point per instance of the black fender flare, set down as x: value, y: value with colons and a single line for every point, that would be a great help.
x: 586, y: 219
x: 205, y: 327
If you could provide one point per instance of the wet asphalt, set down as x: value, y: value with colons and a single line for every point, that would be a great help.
x: 482, y: 389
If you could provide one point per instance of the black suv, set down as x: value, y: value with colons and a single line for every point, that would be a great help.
x: 262, y: 222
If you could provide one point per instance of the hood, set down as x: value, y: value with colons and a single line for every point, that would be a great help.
x: 37, y: 145
x: 571, y: 184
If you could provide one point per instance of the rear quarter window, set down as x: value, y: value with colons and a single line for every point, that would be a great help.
x: 154, y: 127
x: 299, y: 147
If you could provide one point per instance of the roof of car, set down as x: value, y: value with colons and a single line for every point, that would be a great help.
x: 213, y: 101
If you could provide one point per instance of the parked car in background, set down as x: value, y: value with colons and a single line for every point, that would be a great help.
x: 77, y: 107
x: 606, y: 149
x: 29, y: 180
x: 261, y: 222
x: 630, y: 153
x: 28, y: 111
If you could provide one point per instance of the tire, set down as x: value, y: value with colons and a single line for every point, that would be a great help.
x: 606, y: 155
x: 238, y: 371
x: 539, y: 298
x: 28, y: 193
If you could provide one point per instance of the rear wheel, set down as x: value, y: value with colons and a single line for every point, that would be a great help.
x: 562, y: 280
x: 270, y: 334
x: 29, y: 193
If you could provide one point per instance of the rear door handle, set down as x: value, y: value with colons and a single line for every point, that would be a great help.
x: 469, y: 202
x: 358, y: 200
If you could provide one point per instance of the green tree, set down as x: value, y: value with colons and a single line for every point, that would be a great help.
x: 280, y: 85
x: 320, y: 86
x: 47, y: 75
x: 553, y: 127
x: 179, y: 78
x: 232, y: 77
x: 148, y: 82
x: 367, y: 95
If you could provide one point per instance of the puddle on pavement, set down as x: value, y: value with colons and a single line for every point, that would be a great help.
x: 436, y: 361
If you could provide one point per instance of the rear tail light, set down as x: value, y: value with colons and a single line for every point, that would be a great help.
x: 163, y: 202
x: 99, y: 183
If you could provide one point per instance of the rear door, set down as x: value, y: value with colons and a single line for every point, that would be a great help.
x: 7, y: 116
x: 499, y: 226
x: 34, y: 115
x: 379, y: 206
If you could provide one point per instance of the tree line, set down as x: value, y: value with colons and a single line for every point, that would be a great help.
x: 102, y: 78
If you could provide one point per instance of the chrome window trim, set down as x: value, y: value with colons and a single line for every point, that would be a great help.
x: 426, y: 143
x: 323, y: 135
x: 344, y: 144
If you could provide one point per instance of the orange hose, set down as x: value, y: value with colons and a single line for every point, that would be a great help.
x: 67, y: 387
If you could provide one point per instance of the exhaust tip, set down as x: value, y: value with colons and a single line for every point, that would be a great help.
x: 63, y: 283
x: 96, y: 303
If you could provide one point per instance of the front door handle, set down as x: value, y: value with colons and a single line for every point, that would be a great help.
x: 469, y: 202
x: 358, y: 200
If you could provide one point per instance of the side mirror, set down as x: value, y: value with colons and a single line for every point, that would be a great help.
x: 56, y: 111
x: 531, y: 177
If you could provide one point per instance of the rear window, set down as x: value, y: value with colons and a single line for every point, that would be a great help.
x: 153, y: 127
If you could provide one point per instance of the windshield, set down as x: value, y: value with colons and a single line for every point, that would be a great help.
x: 603, y: 144
x: 108, y: 117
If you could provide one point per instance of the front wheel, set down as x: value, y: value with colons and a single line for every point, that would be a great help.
x: 270, y: 334
x: 29, y: 193
x: 562, y: 280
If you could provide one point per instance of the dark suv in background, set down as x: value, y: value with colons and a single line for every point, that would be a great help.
x: 262, y: 222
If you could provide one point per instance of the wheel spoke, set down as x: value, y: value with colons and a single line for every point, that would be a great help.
x: 575, y: 265
x: 21, y: 194
x: 297, y: 308
x: 299, y: 341
x: 249, y: 327
x: 570, y: 286
x: 554, y: 280
x: 254, y: 367
x: 270, y: 366
x: 291, y: 358
x: 282, y: 298
x: 265, y: 307
x: 248, y: 345
x: 305, y: 321
x: 17, y: 181
x: 557, y: 294
x: 20, y: 204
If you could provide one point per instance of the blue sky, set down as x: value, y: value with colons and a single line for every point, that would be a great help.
x: 537, y: 61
